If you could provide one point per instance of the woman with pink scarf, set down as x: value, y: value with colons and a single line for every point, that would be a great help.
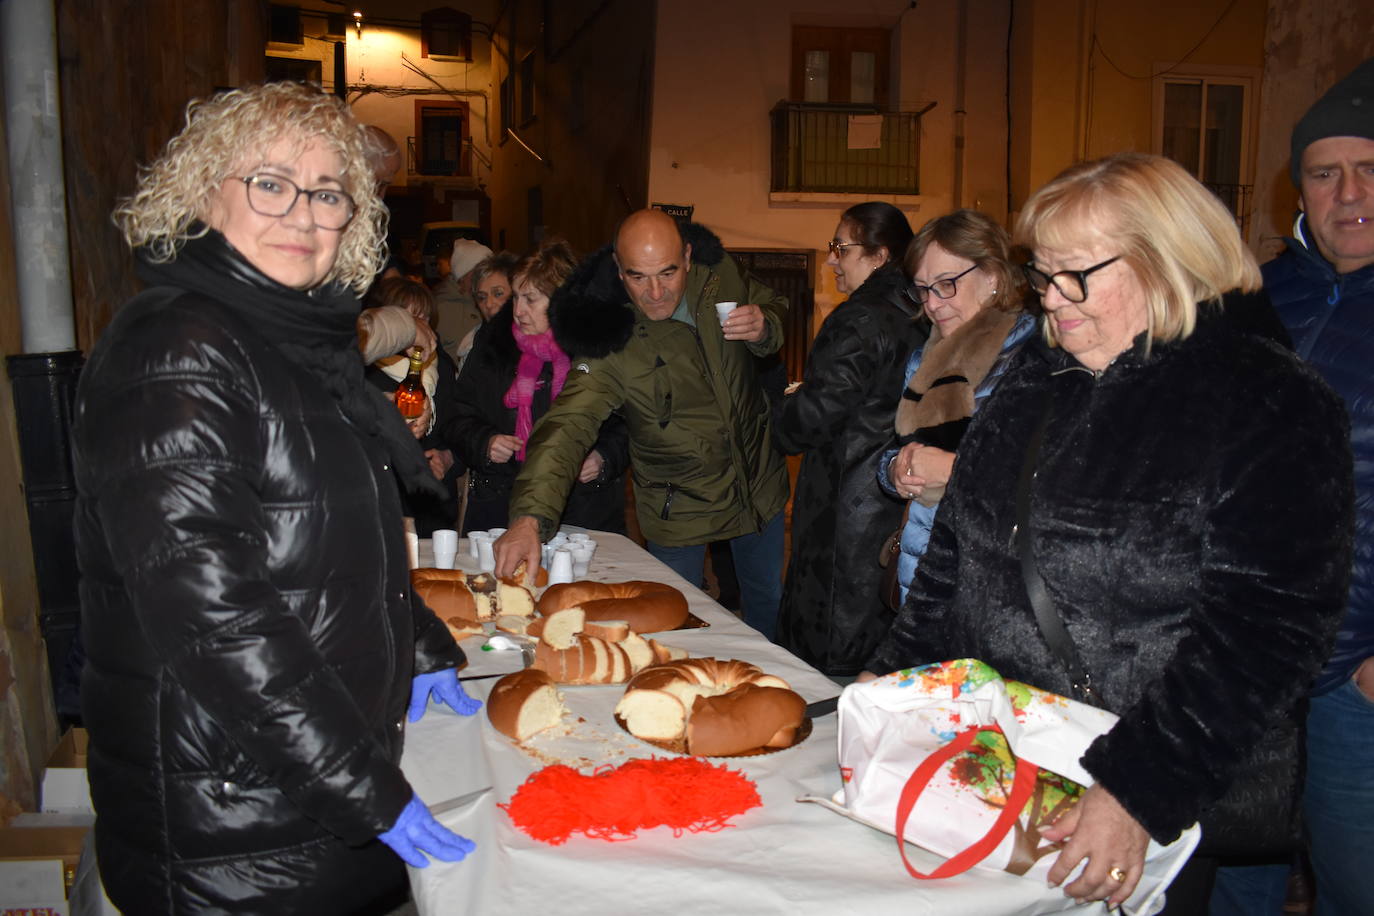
x: 514, y: 372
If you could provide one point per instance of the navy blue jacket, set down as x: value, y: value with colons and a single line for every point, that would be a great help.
x: 1331, y: 318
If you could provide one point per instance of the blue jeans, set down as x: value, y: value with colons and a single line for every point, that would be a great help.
x: 1250, y: 890
x: 1339, y: 800
x: 758, y: 564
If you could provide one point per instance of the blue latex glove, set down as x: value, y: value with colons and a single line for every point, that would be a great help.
x: 445, y: 687
x: 416, y: 832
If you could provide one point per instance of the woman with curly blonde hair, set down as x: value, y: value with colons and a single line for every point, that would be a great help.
x: 253, y: 642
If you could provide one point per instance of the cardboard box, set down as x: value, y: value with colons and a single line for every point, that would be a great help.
x: 37, y: 868
x: 65, y: 790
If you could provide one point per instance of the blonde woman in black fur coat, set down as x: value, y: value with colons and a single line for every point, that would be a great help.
x: 1190, y: 516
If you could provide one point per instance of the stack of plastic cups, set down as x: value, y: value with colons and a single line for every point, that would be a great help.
x: 582, y: 557
x: 561, y: 566
x: 445, y: 544
x: 486, y: 558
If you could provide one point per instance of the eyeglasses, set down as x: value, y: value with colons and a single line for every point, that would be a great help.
x: 273, y: 195
x: 1072, y: 284
x: 837, y: 248
x: 944, y: 289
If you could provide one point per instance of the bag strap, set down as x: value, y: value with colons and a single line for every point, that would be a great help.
x: 1047, y: 615
x: 1023, y: 784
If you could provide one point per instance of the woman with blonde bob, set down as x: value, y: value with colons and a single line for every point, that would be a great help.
x: 253, y: 642
x: 1178, y: 497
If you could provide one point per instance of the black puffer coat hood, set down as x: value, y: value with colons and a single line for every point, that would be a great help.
x: 589, y: 312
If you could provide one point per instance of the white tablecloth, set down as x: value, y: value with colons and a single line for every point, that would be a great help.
x: 783, y: 858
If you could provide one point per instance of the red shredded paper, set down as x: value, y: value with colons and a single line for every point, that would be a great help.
x: 683, y: 793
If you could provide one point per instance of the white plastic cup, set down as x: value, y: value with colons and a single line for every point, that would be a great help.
x: 582, y: 558
x: 486, y: 558
x: 445, y: 544
x: 472, y: 544
x: 496, y: 532
x: 561, y: 567
x: 723, y: 310
x: 579, y: 538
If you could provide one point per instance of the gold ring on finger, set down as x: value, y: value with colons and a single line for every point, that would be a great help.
x: 1117, y: 874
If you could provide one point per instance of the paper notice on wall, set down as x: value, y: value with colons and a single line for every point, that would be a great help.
x: 865, y: 131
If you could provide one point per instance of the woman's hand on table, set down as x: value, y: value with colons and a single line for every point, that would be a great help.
x: 1112, y: 841
x: 417, y: 835
x: 502, y: 448
x: 917, y: 466
x: 445, y: 688
x: 520, y: 544
x: 591, y: 467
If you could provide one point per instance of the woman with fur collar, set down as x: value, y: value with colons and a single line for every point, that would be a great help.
x: 1187, y: 509
x: 963, y: 279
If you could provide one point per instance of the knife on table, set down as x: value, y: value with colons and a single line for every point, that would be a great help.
x: 439, y: 808
x: 822, y: 707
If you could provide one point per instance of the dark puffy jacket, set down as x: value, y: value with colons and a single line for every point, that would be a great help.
x: 1331, y: 318
x: 248, y: 617
x: 1190, y: 515
x: 480, y: 412
x: 832, y: 614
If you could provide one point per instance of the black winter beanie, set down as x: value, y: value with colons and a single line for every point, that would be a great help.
x: 1346, y: 110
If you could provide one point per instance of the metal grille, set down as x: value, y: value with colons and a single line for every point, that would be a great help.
x: 811, y: 150
x: 788, y: 273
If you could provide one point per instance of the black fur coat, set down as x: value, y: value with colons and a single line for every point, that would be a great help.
x: 1191, y: 516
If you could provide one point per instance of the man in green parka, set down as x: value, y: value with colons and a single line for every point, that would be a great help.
x: 704, y: 465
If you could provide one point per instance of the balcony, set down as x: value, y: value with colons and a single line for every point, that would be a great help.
x: 845, y: 149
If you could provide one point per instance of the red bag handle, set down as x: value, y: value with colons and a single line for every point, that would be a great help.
x: 1021, y: 788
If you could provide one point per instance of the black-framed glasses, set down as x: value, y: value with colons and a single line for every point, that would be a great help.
x: 273, y: 195
x: 1072, y: 284
x: 944, y: 289
x: 837, y: 248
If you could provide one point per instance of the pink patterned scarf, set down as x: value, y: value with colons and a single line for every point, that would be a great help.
x: 535, y: 351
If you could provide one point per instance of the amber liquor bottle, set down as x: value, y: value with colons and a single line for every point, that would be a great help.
x: 410, y: 394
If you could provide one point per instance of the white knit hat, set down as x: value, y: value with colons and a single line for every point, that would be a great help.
x: 467, y: 254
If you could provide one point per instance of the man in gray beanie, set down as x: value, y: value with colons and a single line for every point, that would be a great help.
x: 457, y: 310
x: 1323, y: 289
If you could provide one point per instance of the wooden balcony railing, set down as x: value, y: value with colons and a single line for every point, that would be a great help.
x: 813, y: 149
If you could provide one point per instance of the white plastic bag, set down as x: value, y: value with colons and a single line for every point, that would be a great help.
x: 993, y: 762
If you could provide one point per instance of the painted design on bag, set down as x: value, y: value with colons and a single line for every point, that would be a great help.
x: 987, y: 769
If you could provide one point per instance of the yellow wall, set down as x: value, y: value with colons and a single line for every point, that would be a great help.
x: 715, y: 85
x: 1083, y: 73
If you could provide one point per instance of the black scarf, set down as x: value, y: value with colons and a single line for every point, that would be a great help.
x: 316, y: 330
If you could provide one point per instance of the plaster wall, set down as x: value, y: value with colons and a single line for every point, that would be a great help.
x: 1307, y: 47
x: 1084, y: 74
x: 383, y: 90
x: 715, y: 85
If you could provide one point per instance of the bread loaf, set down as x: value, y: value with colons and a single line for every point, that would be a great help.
x: 711, y: 707
x: 525, y: 703
x: 465, y: 601
x: 648, y: 607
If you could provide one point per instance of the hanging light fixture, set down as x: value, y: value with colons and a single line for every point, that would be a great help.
x: 358, y: 23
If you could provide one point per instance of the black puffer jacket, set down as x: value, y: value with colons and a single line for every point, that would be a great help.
x: 832, y: 614
x: 1191, y: 516
x: 247, y: 613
